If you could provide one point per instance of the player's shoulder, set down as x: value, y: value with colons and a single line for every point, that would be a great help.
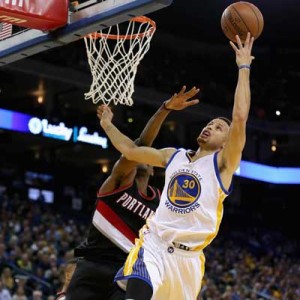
x: 171, y: 150
x: 182, y: 151
x: 176, y: 153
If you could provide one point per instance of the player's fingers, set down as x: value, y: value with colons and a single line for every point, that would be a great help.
x: 196, y: 90
x: 193, y: 91
x: 247, y: 41
x: 99, y: 111
x: 238, y: 40
x: 99, y: 115
x: 192, y: 102
x: 105, y: 108
x: 182, y: 90
x: 251, y: 43
x: 234, y: 47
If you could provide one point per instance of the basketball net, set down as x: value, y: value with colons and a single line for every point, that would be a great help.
x: 114, y: 58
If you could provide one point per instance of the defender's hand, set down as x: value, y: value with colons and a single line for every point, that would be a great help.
x: 243, y: 52
x: 104, y: 114
x: 180, y: 101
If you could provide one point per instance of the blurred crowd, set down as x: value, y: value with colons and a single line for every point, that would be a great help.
x: 36, y: 243
x: 234, y: 272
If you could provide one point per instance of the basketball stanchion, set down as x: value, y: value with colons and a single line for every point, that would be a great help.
x: 113, y: 56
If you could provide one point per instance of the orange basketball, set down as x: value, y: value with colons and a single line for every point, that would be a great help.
x: 241, y: 18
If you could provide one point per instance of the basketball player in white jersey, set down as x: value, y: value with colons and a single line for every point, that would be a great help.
x: 124, y: 202
x: 167, y: 262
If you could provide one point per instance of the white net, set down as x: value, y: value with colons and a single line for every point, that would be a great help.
x: 114, y: 57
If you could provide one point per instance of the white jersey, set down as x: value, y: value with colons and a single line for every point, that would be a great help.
x: 191, y: 205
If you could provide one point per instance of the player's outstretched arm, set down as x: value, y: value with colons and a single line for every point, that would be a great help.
x: 178, y: 101
x: 127, y: 147
x: 123, y: 171
x: 232, y: 152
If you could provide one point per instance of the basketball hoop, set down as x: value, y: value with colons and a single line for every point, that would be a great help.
x: 113, y: 58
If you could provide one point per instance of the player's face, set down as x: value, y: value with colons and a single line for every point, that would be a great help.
x: 214, y: 134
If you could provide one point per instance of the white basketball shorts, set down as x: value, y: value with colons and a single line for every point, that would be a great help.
x: 173, y: 273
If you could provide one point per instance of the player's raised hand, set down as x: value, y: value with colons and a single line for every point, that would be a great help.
x: 182, y: 100
x: 104, y: 114
x: 243, y: 52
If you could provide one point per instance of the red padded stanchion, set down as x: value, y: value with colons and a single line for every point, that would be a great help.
x: 36, y: 14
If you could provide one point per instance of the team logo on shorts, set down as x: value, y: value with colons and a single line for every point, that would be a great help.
x: 184, y: 189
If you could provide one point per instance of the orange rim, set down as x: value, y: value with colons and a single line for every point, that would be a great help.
x: 140, y: 19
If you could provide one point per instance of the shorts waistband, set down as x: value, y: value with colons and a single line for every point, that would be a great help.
x: 176, y: 248
x: 182, y: 247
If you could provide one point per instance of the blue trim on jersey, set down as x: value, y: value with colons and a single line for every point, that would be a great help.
x: 115, y: 191
x: 188, y: 154
x: 171, y: 158
x: 139, y: 270
x: 227, y: 192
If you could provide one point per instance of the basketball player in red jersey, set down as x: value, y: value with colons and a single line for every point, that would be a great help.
x: 124, y: 202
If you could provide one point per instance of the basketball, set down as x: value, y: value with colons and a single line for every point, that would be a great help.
x: 239, y: 18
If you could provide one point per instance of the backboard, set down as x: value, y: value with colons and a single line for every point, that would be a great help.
x: 86, y: 17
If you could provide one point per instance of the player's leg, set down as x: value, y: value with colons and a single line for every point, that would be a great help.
x: 141, y: 275
x: 92, y: 281
x: 116, y: 293
x: 187, y: 268
x: 138, y: 289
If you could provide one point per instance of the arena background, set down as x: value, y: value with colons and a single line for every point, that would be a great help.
x: 189, y: 48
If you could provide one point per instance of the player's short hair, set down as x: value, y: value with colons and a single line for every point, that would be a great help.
x: 226, y: 120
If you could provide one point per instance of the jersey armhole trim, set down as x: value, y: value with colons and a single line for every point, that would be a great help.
x: 227, y: 192
x: 173, y: 155
x: 120, y: 189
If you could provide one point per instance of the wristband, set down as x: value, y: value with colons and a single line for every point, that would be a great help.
x: 165, y: 107
x: 244, y: 66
